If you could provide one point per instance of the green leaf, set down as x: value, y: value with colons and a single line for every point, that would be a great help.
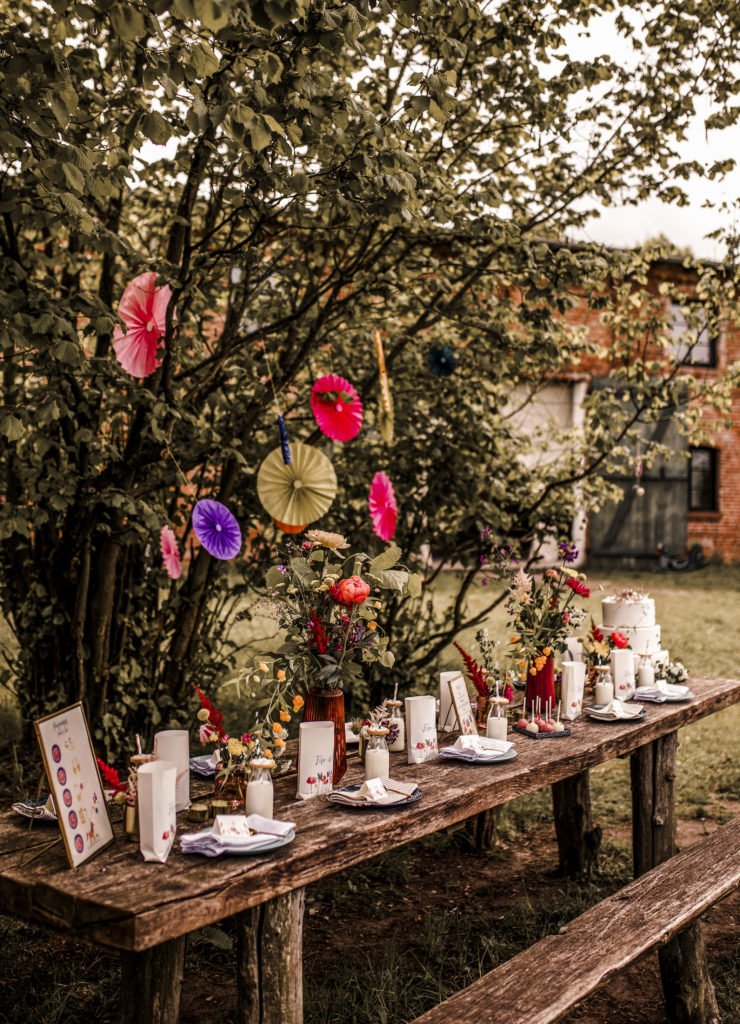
x: 203, y: 60
x: 387, y: 659
x: 391, y: 579
x: 386, y: 559
x: 272, y: 68
x: 67, y: 352
x: 154, y: 126
x: 414, y: 585
x: 260, y: 134
x: 10, y: 426
x: 128, y: 21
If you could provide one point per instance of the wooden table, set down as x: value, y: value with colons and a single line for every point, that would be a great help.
x: 146, y: 910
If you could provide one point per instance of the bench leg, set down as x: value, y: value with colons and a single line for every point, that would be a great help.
x: 269, y: 968
x: 150, y: 984
x: 578, y: 838
x: 687, y: 987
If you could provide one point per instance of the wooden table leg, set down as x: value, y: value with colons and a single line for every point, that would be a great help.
x: 481, y: 829
x: 687, y: 987
x: 150, y: 984
x: 269, y: 969
x: 578, y: 839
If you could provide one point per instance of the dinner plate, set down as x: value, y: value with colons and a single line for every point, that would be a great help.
x: 610, y: 718
x: 402, y: 801
x: 471, y: 757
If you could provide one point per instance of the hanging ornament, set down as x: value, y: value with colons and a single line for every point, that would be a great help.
x: 217, y: 529
x: 637, y: 486
x: 285, y: 528
x: 385, y: 417
x: 441, y: 360
x: 284, y: 443
x: 143, y: 310
x: 336, y: 407
x: 383, y: 507
x: 299, y: 492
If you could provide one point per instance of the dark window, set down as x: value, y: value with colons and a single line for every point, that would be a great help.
x: 693, y: 344
x: 703, y: 480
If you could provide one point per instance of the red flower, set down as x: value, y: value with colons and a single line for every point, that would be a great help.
x: 110, y: 776
x: 475, y: 673
x: 596, y: 635
x: 350, y: 591
x: 619, y: 640
x: 215, y: 717
x: 319, y: 638
x: 580, y: 588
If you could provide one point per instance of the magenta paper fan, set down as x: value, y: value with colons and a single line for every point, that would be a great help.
x: 383, y: 507
x: 143, y: 309
x: 337, y: 407
x: 170, y: 553
x: 217, y: 529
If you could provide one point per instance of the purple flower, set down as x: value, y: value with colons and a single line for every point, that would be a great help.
x: 217, y: 529
x: 568, y: 551
x: 283, y: 569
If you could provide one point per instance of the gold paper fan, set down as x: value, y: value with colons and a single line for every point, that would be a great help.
x: 300, y: 492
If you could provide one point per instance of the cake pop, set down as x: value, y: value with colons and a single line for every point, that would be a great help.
x: 558, y: 725
x: 532, y: 726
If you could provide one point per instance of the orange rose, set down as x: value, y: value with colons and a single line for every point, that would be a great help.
x: 350, y: 591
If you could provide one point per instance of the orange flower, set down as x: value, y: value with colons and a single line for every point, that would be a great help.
x: 280, y: 675
x: 279, y: 743
x: 515, y: 639
x: 266, y: 753
x: 285, y: 716
x: 547, y: 651
x: 298, y: 703
x: 277, y: 728
x: 372, y: 624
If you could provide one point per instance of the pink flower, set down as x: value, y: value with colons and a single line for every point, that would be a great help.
x: 247, y: 737
x: 170, y: 553
x: 566, y: 617
x: 207, y: 734
x: 143, y: 310
x: 350, y: 591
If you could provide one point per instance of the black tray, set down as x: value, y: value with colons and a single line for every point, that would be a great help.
x: 542, y: 735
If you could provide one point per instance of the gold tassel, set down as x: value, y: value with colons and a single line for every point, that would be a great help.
x: 385, y: 409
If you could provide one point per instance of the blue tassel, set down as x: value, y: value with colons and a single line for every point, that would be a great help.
x: 284, y: 443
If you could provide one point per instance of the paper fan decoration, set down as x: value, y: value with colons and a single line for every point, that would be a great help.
x: 217, y: 529
x: 143, y: 309
x: 383, y: 507
x: 300, y: 492
x: 441, y: 360
x: 336, y: 407
x: 284, y: 528
x: 170, y: 553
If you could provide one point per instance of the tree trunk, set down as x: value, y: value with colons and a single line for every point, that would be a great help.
x: 687, y: 987
x: 269, y: 965
x: 578, y: 838
x: 150, y: 984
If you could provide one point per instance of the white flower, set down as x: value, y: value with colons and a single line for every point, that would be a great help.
x: 521, y: 583
x: 331, y: 541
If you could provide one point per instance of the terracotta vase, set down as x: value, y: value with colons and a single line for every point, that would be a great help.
x: 542, y: 685
x: 481, y: 710
x: 233, y: 787
x: 328, y: 706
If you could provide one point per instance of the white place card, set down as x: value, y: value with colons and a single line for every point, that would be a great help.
x: 231, y: 825
x: 421, y: 729
x: 315, y: 759
x: 461, y: 703
x: 76, y: 786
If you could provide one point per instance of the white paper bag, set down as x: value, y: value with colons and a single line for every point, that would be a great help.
x: 623, y: 673
x: 571, y: 689
x: 174, y: 745
x: 315, y: 759
x: 447, y: 715
x: 157, y: 786
x: 421, y: 729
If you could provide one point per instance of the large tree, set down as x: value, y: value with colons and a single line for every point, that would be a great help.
x: 302, y: 174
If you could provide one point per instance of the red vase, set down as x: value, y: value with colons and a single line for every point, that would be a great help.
x: 542, y: 685
x: 328, y: 706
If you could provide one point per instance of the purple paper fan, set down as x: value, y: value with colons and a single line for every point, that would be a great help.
x: 216, y: 529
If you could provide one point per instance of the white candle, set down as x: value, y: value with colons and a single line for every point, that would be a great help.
x: 645, y: 673
x: 259, y: 797
x: 377, y: 764
x: 496, y: 727
x: 604, y: 693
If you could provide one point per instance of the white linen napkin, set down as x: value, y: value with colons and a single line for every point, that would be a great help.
x: 263, y: 832
x: 617, y: 709
x: 661, y: 691
x: 390, y: 791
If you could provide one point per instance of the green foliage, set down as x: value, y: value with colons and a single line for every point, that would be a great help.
x: 301, y: 174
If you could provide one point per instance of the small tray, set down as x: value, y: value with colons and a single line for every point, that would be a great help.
x: 542, y: 735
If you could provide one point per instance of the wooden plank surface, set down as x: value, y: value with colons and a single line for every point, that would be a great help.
x: 602, y: 942
x: 117, y: 900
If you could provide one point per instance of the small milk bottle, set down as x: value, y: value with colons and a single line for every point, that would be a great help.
x: 259, y: 796
x: 377, y: 758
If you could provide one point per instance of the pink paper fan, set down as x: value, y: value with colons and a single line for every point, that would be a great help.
x: 143, y: 309
x: 383, y: 507
x: 337, y: 407
x: 170, y: 553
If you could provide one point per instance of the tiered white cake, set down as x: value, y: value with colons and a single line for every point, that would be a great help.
x: 632, y: 613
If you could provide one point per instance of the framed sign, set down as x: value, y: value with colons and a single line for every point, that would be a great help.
x: 461, y: 703
x: 76, y: 786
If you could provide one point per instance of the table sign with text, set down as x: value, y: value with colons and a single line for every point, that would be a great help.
x: 76, y: 786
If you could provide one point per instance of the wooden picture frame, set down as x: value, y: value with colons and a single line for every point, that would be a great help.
x: 76, y: 786
x: 461, y: 703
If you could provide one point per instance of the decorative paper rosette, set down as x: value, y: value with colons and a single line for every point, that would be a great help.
x: 383, y: 507
x: 143, y: 309
x: 285, y: 528
x: 170, y: 553
x: 337, y: 407
x: 217, y: 529
x: 300, y: 492
x: 441, y: 360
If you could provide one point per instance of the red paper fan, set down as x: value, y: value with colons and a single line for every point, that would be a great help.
x: 143, y: 309
x: 337, y: 407
x: 170, y: 553
x: 383, y: 507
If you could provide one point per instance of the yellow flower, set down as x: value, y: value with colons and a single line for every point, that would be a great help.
x: 298, y: 703
x: 235, y: 747
x: 262, y: 666
x: 266, y: 752
x: 533, y: 671
x: 285, y: 716
x: 331, y: 541
x: 278, y: 742
x: 280, y: 675
x: 203, y: 715
x: 372, y: 624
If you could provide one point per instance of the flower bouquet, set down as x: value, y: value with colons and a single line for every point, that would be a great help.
x: 488, y: 678
x: 541, y: 614
x: 327, y: 606
x: 598, y: 646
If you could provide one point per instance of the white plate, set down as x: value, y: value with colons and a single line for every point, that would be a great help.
x: 369, y: 805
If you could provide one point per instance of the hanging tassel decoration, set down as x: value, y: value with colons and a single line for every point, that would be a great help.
x: 284, y: 443
x: 385, y: 419
x: 637, y: 486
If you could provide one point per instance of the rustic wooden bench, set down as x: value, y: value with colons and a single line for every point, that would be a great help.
x: 147, y: 910
x: 607, y: 938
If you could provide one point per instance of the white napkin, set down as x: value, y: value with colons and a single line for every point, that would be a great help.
x: 617, y: 709
x: 210, y: 844
x: 661, y: 691
x: 375, y: 791
x: 477, y: 748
